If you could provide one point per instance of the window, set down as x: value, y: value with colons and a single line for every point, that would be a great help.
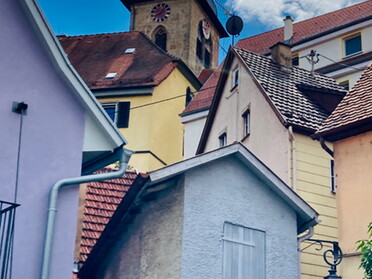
x: 223, y: 139
x: 243, y: 252
x: 118, y: 112
x: 204, y: 44
x: 246, y: 123
x: 333, y: 177
x: 353, y: 44
x: 160, y: 37
x: 235, y: 78
x: 295, y: 60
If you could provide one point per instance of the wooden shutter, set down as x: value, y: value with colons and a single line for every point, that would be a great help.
x: 122, y: 117
x: 244, y: 253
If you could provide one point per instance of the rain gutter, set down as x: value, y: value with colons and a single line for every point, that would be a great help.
x: 52, y: 210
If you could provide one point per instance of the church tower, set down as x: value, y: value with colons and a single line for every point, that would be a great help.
x: 188, y: 29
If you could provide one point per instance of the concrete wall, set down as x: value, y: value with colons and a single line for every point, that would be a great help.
x: 226, y: 191
x: 51, y: 148
x: 156, y: 127
x: 151, y: 246
x: 181, y: 26
x: 268, y: 139
x: 353, y: 158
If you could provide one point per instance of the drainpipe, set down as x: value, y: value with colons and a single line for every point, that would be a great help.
x: 325, y: 147
x: 293, y: 151
x: 48, y: 242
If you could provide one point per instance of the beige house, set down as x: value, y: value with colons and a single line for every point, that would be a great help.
x: 350, y: 129
x: 272, y: 109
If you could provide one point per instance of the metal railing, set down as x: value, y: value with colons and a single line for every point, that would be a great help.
x: 7, y: 217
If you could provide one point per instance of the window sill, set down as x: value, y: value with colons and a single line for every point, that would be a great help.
x: 352, y: 55
x: 234, y: 87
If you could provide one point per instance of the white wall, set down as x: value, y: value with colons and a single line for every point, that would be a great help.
x: 268, y: 138
x: 193, y: 128
x: 225, y: 190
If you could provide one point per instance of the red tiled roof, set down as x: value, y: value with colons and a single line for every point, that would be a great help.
x: 94, y: 56
x: 204, y: 98
x: 356, y: 107
x: 205, y: 74
x: 102, y: 199
x: 308, y: 28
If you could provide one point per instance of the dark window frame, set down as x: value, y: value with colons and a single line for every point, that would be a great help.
x: 352, y: 44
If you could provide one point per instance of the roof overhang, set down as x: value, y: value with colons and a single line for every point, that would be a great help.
x: 94, y: 111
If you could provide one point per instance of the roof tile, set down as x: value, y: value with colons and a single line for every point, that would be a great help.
x: 94, y: 56
x: 355, y: 107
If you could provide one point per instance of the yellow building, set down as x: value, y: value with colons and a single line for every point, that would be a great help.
x: 350, y: 128
x: 141, y: 87
x: 272, y: 108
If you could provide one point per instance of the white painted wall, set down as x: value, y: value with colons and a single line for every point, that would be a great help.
x: 193, y: 128
x: 226, y: 191
x: 332, y: 46
x: 268, y: 139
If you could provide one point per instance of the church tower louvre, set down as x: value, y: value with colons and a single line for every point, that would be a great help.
x: 188, y: 29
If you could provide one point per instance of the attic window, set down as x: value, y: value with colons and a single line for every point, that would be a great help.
x: 130, y: 50
x: 353, y: 44
x: 111, y: 75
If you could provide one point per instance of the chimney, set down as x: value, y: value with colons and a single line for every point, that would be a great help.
x: 288, y: 29
x: 282, y: 54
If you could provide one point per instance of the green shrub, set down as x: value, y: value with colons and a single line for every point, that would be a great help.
x: 365, y: 246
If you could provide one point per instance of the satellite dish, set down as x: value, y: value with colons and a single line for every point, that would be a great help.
x: 234, y: 25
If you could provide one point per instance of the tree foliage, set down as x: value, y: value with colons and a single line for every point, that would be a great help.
x: 365, y: 246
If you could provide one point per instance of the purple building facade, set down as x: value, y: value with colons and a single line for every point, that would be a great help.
x: 62, y: 131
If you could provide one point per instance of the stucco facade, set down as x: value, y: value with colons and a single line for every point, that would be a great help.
x: 154, y: 123
x: 45, y: 144
x: 177, y: 229
x: 229, y: 120
x: 352, y: 160
x: 296, y: 158
x: 52, y: 134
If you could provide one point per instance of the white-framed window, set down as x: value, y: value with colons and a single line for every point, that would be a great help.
x: 118, y: 112
x: 223, y: 139
x: 352, y: 44
x: 333, y: 176
x: 246, y: 123
x: 243, y: 252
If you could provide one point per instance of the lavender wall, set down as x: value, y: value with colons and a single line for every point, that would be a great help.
x: 51, y: 149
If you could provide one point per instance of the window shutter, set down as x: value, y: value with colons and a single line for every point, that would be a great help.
x: 122, y: 120
x: 244, y: 253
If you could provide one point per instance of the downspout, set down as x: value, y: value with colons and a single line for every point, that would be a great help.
x: 48, y: 242
x: 325, y: 147
x: 301, y: 239
x: 293, y: 152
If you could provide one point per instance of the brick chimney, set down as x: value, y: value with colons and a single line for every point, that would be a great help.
x: 288, y: 29
x: 282, y: 54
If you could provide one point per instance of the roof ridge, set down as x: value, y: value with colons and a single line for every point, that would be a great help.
x: 97, y: 34
x: 310, y: 19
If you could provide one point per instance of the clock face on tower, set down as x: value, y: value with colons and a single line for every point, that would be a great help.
x: 160, y: 12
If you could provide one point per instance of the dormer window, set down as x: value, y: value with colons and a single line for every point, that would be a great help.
x: 160, y: 37
x: 223, y: 139
x: 204, y: 44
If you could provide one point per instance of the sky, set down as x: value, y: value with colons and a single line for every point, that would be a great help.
x: 79, y: 17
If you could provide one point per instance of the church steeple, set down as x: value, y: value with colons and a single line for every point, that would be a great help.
x: 188, y: 29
